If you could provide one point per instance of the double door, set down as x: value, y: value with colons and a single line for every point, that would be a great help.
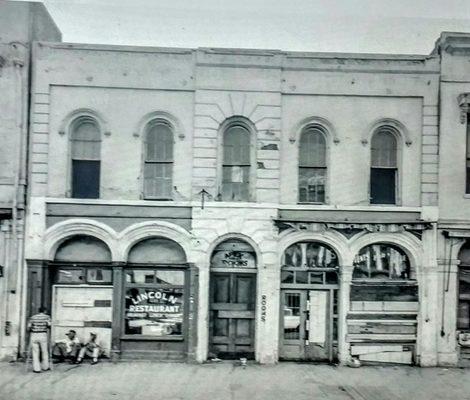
x: 232, y: 315
x: 308, y: 324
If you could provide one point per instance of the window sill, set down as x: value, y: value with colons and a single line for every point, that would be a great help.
x: 466, y: 196
x: 152, y: 338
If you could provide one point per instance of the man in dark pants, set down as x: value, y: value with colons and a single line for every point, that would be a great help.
x: 38, y: 326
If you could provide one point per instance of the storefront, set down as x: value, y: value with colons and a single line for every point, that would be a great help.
x: 309, y: 303
x: 232, y: 301
x: 463, y: 313
x: 382, y: 321
x: 141, y: 309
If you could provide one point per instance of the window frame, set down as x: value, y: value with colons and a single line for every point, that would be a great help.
x: 148, y: 126
x: 82, y: 118
x: 467, y: 156
x: 390, y: 130
x: 324, y: 132
x: 185, y: 287
x: 251, y: 129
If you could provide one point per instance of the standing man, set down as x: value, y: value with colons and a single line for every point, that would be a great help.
x: 38, y: 326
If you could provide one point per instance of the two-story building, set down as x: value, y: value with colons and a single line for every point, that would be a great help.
x: 20, y: 24
x: 454, y: 197
x: 190, y: 204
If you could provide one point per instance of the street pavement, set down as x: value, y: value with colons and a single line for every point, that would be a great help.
x: 231, y: 381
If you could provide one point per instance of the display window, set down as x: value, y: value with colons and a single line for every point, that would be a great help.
x: 84, y: 275
x: 382, y: 262
x: 154, y: 303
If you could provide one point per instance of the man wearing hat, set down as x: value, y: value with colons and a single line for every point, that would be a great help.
x: 91, y: 349
x: 67, y: 348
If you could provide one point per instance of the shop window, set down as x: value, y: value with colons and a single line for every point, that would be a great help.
x: 84, y: 275
x: 384, y: 167
x: 467, y: 161
x: 309, y: 255
x: 312, y: 165
x: 158, y: 162
x: 236, y: 163
x: 310, y: 263
x: 86, y: 158
x: 154, y: 302
x: 463, y: 315
x: 383, y: 273
x: 382, y: 262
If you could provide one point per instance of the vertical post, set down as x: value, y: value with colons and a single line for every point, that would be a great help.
x: 117, y: 311
x: 343, y: 303
x: 193, y: 296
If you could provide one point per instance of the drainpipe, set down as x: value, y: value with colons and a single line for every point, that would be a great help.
x: 17, y: 236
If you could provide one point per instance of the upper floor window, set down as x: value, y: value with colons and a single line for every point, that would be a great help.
x: 237, y: 163
x: 158, y: 161
x: 86, y: 158
x: 384, y: 168
x: 467, y: 181
x: 312, y: 165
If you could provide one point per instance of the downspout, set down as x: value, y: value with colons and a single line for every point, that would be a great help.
x: 17, y: 235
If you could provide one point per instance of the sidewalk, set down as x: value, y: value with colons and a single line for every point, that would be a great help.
x: 227, y: 381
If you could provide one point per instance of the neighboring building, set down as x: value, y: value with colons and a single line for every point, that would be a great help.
x: 454, y: 199
x: 187, y: 204
x: 20, y: 23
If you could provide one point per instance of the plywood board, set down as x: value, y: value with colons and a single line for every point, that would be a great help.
x: 317, y: 316
x: 403, y: 357
x: 362, y: 350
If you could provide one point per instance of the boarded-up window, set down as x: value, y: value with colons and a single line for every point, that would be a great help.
x: 467, y: 182
x: 383, y: 172
x: 312, y: 165
x: 158, y: 164
x: 236, y: 166
x: 86, y: 158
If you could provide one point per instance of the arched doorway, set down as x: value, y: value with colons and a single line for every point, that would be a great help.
x: 82, y: 290
x: 382, y: 321
x: 463, y: 313
x: 232, y: 300
x: 309, y: 305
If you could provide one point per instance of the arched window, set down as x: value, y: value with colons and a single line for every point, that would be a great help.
x: 309, y: 263
x: 158, y: 162
x: 312, y: 165
x: 384, y: 167
x: 82, y: 259
x: 236, y: 164
x: 86, y: 158
x: 381, y: 261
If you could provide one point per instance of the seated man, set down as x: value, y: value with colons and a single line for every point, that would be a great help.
x: 67, y: 348
x: 91, y: 349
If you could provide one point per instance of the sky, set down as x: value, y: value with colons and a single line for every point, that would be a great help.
x: 358, y: 26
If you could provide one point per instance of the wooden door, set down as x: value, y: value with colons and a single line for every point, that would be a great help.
x: 232, y: 315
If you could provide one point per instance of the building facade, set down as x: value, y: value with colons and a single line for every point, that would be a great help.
x: 454, y: 188
x: 31, y: 22
x: 192, y: 204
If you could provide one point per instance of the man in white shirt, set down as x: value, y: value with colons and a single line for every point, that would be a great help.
x: 67, y: 348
